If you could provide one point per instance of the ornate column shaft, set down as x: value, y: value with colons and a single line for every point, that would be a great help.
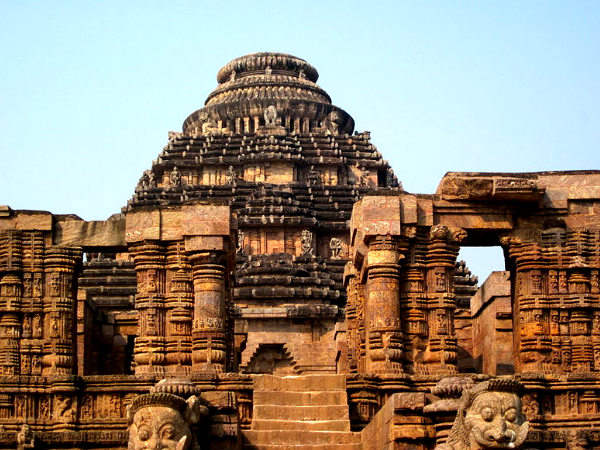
x: 210, y: 313
x: 148, y: 257
x: 179, y: 303
x: 382, y: 309
x: 59, y: 309
x: 440, y: 356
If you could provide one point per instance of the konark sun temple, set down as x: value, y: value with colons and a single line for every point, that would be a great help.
x: 270, y: 285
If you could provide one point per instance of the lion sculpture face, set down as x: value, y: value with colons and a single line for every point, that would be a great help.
x: 494, y: 421
x: 158, y: 428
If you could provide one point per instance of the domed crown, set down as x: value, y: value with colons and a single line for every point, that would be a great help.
x: 270, y: 89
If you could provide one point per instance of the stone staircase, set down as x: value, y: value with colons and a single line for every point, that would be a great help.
x: 300, y: 413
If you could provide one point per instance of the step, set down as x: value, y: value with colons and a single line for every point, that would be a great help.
x: 303, y: 383
x: 332, y: 412
x: 304, y: 425
x: 356, y: 446
x: 300, y: 398
x: 297, y: 437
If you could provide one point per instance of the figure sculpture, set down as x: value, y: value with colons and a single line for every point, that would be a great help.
x: 306, y: 242
x: 232, y: 176
x: 270, y: 115
x: 25, y: 438
x: 489, y: 416
x: 161, y: 420
x: 576, y: 439
x: 335, y: 244
x: 175, y: 177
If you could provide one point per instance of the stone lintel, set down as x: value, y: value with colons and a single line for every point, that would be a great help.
x: 204, y: 227
x: 483, y: 221
x: 24, y: 220
x: 520, y: 187
x: 95, y: 233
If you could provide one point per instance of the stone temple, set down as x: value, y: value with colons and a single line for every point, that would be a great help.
x: 270, y: 285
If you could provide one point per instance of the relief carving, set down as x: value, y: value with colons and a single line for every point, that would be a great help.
x: 25, y: 438
x: 489, y: 417
x: 160, y: 420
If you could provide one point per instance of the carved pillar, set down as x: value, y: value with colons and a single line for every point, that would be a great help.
x: 149, y: 350
x: 179, y: 309
x: 352, y: 304
x: 32, y: 305
x: 59, y: 309
x: 210, y: 313
x: 382, y: 308
x: 11, y: 291
x: 440, y: 356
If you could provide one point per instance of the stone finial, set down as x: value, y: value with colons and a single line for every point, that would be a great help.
x: 489, y: 417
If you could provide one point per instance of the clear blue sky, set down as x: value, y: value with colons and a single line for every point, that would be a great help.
x: 89, y: 89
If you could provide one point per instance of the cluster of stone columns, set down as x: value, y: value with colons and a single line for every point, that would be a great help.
x: 37, y: 300
x: 401, y: 302
x: 181, y: 300
x: 556, y: 292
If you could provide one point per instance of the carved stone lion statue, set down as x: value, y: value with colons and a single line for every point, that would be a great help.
x: 160, y: 420
x: 489, y: 417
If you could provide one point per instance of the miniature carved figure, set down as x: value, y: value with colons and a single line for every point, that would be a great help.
x: 240, y: 242
x: 45, y: 408
x: 270, y: 116
x: 336, y: 248
x: 87, y: 407
x: 162, y: 421
x: 54, y: 327
x: 489, y: 417
x: 27, y: 326
x: 363, y: 178
x: 36, y: 365
x: 531, y: 406
x: 306, y: 242
x: 115, y: 405
x: 333, y: 123
x: 37, y: 285
x: 55, y: 284
x: 25, y: 438
x: 231, y: 176
x: 313, y: 176
x: 576, y: 439
x: 27, y: 285
x: 175, y: 177
x: 25, y: 363
x: 20, y: 406
x: 64, y: 410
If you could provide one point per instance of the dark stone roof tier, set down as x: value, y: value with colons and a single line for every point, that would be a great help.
x: 250, y: 84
